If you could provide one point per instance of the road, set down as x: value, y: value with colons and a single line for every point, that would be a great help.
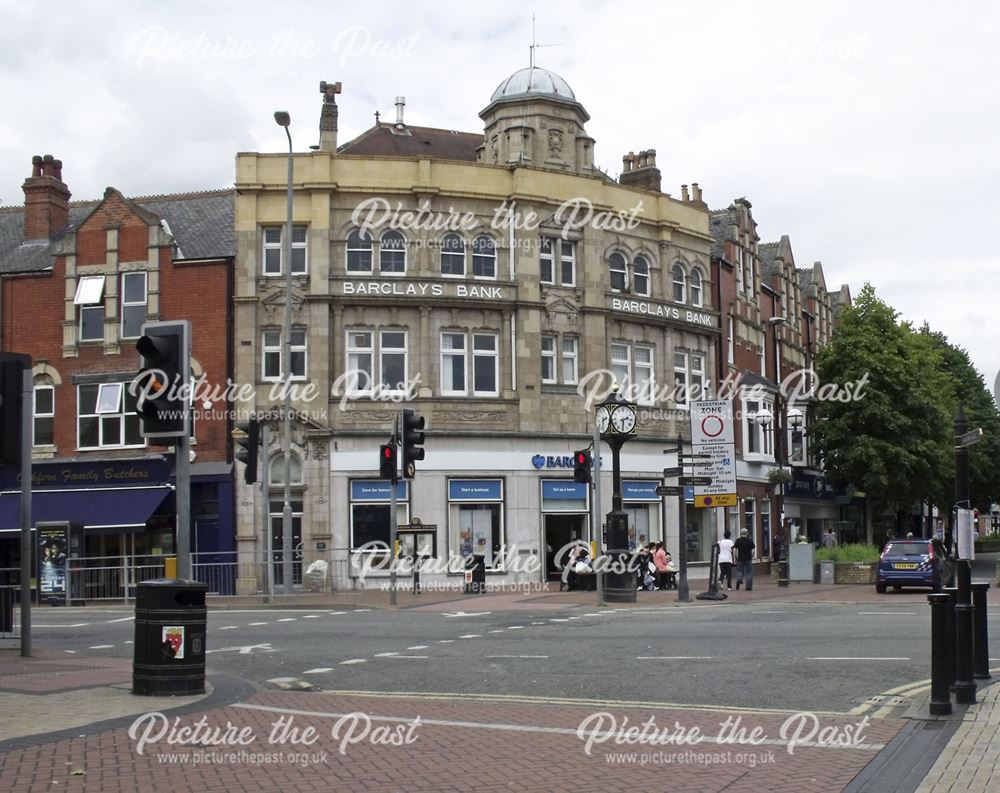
x: 790, y: 656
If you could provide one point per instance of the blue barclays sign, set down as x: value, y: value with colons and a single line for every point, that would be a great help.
x: 540, y: 461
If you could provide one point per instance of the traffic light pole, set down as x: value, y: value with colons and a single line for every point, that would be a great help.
x: 265, y: 480
x: 27, y: 413
x: 596, y: 513
x: 393, y: 528
x: 183, y: 497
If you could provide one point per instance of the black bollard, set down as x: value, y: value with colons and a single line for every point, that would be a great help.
x: 981, y: 634
x: 949, y: 621
x: 940, y: 654
x: 965, y: 686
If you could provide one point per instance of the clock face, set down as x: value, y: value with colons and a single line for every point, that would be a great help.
x: 603, y: 419
x: 623, y: 419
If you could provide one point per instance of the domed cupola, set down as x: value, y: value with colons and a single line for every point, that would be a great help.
x: 534, y: 119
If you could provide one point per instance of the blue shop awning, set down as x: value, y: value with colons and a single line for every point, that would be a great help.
x: 103, y: 509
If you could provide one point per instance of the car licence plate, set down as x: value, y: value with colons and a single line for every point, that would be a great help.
x: 904, y: 567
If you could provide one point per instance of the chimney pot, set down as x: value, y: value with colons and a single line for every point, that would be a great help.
x: 400, y: 104
x: 46, y: 199
x: 36, y: 166
x: 684, y: 194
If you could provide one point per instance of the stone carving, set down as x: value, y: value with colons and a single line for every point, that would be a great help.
x: 474, y: 416
x: 320, y: 450
x: 495, y: 149
x: 555, y: 142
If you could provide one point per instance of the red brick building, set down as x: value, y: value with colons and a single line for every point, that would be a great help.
x: 77, y: 282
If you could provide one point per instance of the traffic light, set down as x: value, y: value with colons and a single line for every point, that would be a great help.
x: 387, y: 461
x: 412, y: 441
x: 247, y: 436
x: 581, y: 466
x: 12, y: 369
x: 160, y: 387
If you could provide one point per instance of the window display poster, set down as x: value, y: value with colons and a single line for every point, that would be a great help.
x: 52, y: 562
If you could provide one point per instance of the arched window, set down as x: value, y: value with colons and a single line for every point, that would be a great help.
x: 359, y: 252
x: 619, y: 272
x: 484, y: 258
x: 276, y: 469
x: 392, y: 253
x: 695, y: 288
x: 45, y: 411
x: 640, y: 276
x: 679, y: 283
x: 452, y: 255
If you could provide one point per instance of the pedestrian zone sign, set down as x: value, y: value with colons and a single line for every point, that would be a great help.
x: 712, y: 435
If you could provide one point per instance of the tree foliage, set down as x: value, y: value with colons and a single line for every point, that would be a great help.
x: 894, y: 442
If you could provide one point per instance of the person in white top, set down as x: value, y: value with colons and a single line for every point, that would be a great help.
x: 726, y: 559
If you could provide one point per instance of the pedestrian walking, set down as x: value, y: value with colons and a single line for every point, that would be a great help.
x: 829, y: 539
x: 726, y: 559
x: 744, y: 560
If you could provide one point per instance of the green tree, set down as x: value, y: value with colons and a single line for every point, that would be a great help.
x: 893, y: 441
x: 967, y: 388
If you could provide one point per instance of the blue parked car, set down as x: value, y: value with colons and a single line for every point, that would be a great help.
x: 914, y: 562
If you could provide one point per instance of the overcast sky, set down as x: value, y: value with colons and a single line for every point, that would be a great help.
x: 864, y: 131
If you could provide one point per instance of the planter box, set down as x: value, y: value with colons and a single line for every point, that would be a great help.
x: 854, y: 572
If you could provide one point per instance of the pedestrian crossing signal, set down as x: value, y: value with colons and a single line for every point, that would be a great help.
x: 582, y: 462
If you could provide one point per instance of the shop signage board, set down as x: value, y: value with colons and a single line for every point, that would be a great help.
x: 713, y: 437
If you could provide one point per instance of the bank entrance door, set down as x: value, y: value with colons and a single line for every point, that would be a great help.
x: 560, y: 531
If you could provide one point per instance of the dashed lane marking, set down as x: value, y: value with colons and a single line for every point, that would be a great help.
x: 318, y: 670
x: 446, y: 641
x: 854, y: 658
x: 515, y: 627
x: 517, y: 656
x: 258, y: 623
x: 418, y: 647
x: 101, y: 647
x: 288, y: 619
x: 123, y: 619
x: 334, y: 613
x: 498, y: 630
x: 354, y: 661
x: 228, y: 627
x: 311, y: 617
x: 75, y: 625
x: 471, y: 636
x: 673, y: 658
x: 358, y: 610
x: 394, y: 656
x: 888, y: 613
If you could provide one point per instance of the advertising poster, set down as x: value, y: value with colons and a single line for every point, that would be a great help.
x: 52, y: 562
x: 173, y: 641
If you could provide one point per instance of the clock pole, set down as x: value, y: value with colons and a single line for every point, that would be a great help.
x: 617, y: 416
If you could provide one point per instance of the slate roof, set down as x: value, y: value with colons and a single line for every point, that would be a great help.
x: 386, y: 140
x: 202, y: 225
x: 718, y: 223
x: 768, y: 253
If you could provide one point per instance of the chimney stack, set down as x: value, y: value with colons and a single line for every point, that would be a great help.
x: 400, y: 104
x: 696, y: 196
x: 328, y: 117
x: 640, y: 171
x: 46, y: 199
x: 684, y: 194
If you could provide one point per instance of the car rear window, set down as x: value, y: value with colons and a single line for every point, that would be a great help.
x: 908, y: 548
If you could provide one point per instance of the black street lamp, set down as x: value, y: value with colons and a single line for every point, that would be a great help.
x: 616, y: 423
x: 786, y: 418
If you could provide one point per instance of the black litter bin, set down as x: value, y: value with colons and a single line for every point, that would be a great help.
x: 170, y: 620
x: 475, y: 575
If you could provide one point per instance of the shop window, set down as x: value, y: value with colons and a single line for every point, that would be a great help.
x: 370, y: 515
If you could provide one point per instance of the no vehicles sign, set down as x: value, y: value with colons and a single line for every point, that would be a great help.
x: 712, y: 435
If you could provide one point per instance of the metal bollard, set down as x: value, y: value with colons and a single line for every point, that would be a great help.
x: 949, y: 621
x: 941, y: 652
x: 981, y: 634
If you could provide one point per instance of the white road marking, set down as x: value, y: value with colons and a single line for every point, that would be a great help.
x: 775, y: 612
x: 101, y: 647
x: 533, y: 728
x: 258, y: 623
x: 385, y: 655
x: 466, y: 613
x: 71, y: 652
x: 130, y: 642
x: 228, y: 627
x: 853, y: 658
x: 244, y: 650
x: 318, y: 670
x: 517, y: 656
x: 311, y: 617
x: 446, y: 641
x: 394, y: 656
x: 471, y: 636
x: 354, y: 661
x: 538, y: 623
x: 288, y: 619
x: 418, y: 647
x: 889, y: 613
x: 498, y: 630
x: 75, y: 625
x: 336, y: 612
x: 123, y: 619
x: 515, y: 627
x: 558, y: 619
x: 362, y: 610
x: 673, y: 657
